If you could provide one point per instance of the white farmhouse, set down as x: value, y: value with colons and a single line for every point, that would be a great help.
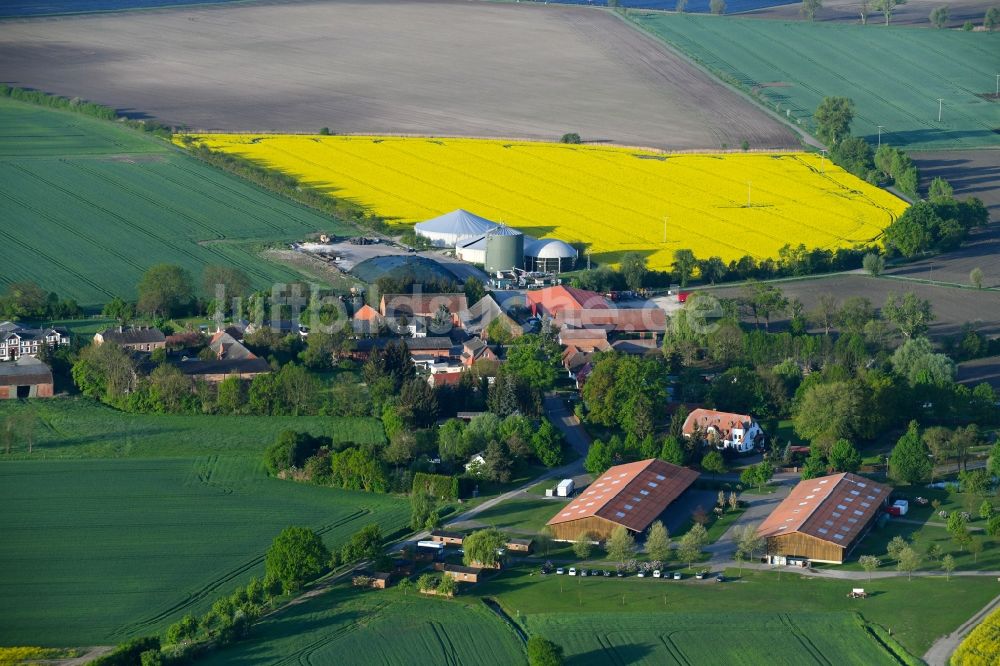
x: 724, y: 429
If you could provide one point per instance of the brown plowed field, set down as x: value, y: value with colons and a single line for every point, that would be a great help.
x: 388, y: 66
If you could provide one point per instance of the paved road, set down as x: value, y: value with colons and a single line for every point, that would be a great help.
x: 941, y: 650
x: 568, y: 424
x: 759, y: 507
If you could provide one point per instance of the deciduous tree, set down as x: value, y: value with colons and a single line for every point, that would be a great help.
x: 296, y: 556
x: 165, y: 290
x: 658, y: 542
x: 483, y: 547
x: 620, y: 545
x: 833, y: 118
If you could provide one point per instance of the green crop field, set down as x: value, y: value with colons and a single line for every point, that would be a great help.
x: 894, y: 75
x: 84, y: 428
x: 348, y: 626
x: 724, y: 637
x: 917, y: 611
x: 116, y: 524
x: 95, y: 551
x: 88, y: 206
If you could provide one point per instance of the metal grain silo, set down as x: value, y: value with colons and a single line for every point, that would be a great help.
x: 504, y: 249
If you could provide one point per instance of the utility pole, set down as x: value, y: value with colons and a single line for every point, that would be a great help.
x: 665, y: 218
x: 879, y: 136
x: 822, y: 160
x: 998, y: 85
x: 748, y: 194
x: 940, y: 102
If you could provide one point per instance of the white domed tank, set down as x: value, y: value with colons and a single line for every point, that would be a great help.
x: 550, y: 255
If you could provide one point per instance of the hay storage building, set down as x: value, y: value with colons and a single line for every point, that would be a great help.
x: 27, y: 377
x: 822, y: 519
x: 633, y: 495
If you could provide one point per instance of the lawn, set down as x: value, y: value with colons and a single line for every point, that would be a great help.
x: 916, y: 611
x: 96, y: 551
x: 723, y: 637
x: 921, y: 538
x: 348, y: 626
x: 610, y: 200
x: 69, y: 183
x: 791, y: 66
x: 521, y: 516
x: 83, y: 428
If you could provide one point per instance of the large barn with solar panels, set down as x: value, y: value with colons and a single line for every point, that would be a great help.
x: 632, y: 495
x: 822, y: 519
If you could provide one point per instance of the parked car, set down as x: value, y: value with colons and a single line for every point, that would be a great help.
x: 677, y: 575
x: 606, y: 573
x: 621, y: 574
x: 656, y: 573
x: 641, y: 574
x: 700, y: 575
x: 583, y: 572
x: 572, y: 571
x: 560, y: 571
x: 720, y: 578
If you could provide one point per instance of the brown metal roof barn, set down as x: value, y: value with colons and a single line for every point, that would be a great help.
x: 823, y: 519
x: 633, y: 495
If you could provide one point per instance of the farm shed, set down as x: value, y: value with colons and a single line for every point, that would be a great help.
x: 520, y: 545
x: 454, y: 228
x: 380, y: 580
x: 461, y: 573
x: 27, y: 377
x: 448, y: 538
x: 555, y: 301
x: 822, y: 519
x: 633, y: 495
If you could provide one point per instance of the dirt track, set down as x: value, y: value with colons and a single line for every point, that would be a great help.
x: 415, y: 66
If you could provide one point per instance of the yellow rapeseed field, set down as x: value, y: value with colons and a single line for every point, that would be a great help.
x: 613, y: 200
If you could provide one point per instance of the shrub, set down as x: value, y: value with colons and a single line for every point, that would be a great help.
x: 128, y: 653
x: 570, y: 137
x: 438, y: 486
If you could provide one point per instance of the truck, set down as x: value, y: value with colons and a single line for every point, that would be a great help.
x: 565, y: 488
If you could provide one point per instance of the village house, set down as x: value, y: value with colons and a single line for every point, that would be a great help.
x: 401, y: 309
x: 17, y: 341
x: 477, y: 319
x: 142, y: 339
x: 474, y: 349
x: 724, y: 430
x: 231, y: 359
x: 367, y: 321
